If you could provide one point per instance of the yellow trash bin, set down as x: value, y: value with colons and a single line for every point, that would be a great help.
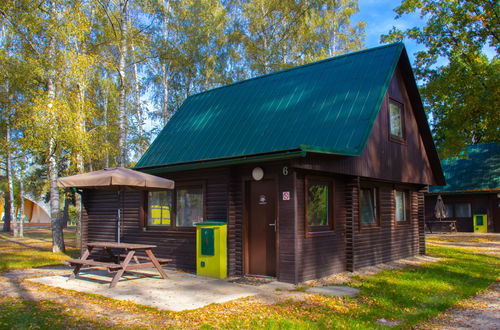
x: 480, y: 223
x: 211, y: 249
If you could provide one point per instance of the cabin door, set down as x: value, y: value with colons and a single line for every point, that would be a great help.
x: 261, y: 228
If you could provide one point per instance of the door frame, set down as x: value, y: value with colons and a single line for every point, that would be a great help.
x: 246, y: 216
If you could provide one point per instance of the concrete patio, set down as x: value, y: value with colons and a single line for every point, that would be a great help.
x: 181, y: 291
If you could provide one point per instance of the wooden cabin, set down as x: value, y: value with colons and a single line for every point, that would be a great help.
x: 316, y: 169
x: 472, y: 187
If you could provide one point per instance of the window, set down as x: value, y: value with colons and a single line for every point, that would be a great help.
x: 462, y: 210
x: 319, y: 208
x: 368, y: 206
x: 160, y: 207
x: 189, y: 210
x: 396, y: 122
x: 401, y: 206
x: 448, y: 210
x: 185, y: 210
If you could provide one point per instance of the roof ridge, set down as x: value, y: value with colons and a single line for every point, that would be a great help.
x: 366, y: 50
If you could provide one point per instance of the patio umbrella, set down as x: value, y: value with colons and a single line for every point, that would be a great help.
x: 118, y: 178
x: 439, y: 209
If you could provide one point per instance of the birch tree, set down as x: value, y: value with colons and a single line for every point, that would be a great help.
x: 280, y: 34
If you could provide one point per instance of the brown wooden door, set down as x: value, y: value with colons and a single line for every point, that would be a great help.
x: 261, y: 206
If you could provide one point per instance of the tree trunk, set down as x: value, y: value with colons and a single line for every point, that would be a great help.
x: 164, y: 82
x: 164, y: 67
x: 65, y: 216
x: 10, y: 185
x: 106, y: 132
x: 137, y: 105
x: 6, y: 214
x: 78, y: 206
x: 21, y: 212
x: 122, y: 106
x: 55, y: 221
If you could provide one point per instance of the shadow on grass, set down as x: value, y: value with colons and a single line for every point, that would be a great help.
x: 406, y: 296
x: 26, y: 314
x: 414, y: 294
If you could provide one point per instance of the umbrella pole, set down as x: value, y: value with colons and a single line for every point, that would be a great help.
x: 118, y: 227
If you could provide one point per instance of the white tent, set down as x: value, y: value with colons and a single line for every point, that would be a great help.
x: 36, y: 212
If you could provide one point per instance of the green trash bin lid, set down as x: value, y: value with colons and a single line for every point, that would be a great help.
x: 211, y: 223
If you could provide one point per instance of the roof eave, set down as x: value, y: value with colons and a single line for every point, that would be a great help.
x: 244, y: 159
x: 465, y: 191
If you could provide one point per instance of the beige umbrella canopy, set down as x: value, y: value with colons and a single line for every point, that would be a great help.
x: 118, y: 177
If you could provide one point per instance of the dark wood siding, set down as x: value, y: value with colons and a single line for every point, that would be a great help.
x: 389, y: 240
x: 321, y: 255
x: 286, y: 228
x: 235, y: 224
x: 485, y: 203
x: 99, y: 217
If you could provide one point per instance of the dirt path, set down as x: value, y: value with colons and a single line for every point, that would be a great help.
x: 483, y: 310
x: 484, y: 243
x: 480, y: 312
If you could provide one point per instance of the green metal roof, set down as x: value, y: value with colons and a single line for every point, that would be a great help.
x: 478, y: 171
x: 327, y: 106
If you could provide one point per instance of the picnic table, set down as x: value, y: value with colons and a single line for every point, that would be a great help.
x: 121, y: 262
x: 451, y: 223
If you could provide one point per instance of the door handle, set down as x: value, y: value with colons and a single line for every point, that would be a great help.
x: 273, y: 225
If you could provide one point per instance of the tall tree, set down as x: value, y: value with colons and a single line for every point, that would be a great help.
x: 280, y: 34
x: 51, y: 125
x: 460, y: 84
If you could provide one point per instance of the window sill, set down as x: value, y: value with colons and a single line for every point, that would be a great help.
x: 368, y: 228
x: 320, y: 233
x: 397, y: 139
x: 168, y: 229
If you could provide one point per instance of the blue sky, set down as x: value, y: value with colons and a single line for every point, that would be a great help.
x: 379, y: 16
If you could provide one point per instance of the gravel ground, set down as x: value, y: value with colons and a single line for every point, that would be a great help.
x: 483, y: 310
x: 480, y: 312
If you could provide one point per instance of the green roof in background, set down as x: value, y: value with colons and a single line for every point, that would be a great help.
x: 327, y: 106
x: 479, y: 171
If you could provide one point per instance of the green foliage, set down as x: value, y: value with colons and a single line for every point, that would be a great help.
x: 463, y: 101
x: 461, y: 96
x: 282, y: 34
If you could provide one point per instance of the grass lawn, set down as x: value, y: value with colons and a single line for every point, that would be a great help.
x: 34, y: 250
x: 406, y: 296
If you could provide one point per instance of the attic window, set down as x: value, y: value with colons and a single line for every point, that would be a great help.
x: 396, y: 120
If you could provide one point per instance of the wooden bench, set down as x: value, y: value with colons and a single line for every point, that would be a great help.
x: 162, y: 261
x: 93, y: 263
x: 120, y: 262
x: 451, y: 223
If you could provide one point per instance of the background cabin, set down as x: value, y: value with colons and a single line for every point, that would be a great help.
x: 316, y: 169
x: 472, y: 187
